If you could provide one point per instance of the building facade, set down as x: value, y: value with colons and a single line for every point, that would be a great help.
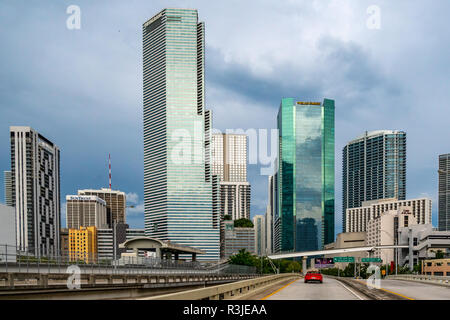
x: 436, y: 267
x: 229, y: 163
x: 8, y: 188
x: 35, y: 191
x: 178, y: 182
x: 238, y: 238
x: 358, y: 218
x: 306, y: 174
x: 373, y: 167
x: 83, y: 244
x: 7, y: 233
x: 116, y: 202
x: 109, y: 240
x: 444, y: 192
x: 85, y: 211
x: 64, y: 240
x: 384, y: 231
x: 259, y: 224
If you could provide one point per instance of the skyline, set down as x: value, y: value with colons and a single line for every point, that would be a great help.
x: 223, y: 67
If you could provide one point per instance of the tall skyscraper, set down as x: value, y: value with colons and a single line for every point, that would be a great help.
x: 373, y: 168
x: 444, y: 192
x: 229, y: 163
x: 8, y: 188
x: 116, y: 202
x: 178, y: 184
x: 35, y: 191
x: 306, y: 174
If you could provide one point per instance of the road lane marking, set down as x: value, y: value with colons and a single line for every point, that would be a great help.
x: 398, y: 294
x: 354, y: 293
x: 276, y: 291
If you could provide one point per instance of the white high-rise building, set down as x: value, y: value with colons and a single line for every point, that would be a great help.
x: 35, y: 191
x: 229, y: 163
x: 358, y: 218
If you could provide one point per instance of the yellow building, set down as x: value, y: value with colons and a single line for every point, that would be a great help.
x: 83, y: 244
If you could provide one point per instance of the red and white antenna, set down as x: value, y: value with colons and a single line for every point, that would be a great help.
x: 109, y: 171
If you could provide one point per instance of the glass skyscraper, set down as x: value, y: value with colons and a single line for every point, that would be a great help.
x: 180, y: 193
x: 305, y: 175
x: 373, y: 168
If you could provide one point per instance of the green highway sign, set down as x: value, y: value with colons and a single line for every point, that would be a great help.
x: 343, y: 259
x: 371, y: 260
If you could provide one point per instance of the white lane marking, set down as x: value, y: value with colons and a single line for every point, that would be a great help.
x: 354, y: 293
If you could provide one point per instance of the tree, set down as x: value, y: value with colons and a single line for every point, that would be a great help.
x: 243, y: 258
x: 439, y: 254
x: 243, y: 223
x: 227, y: 217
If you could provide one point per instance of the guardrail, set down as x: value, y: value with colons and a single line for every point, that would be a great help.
x: 225, y: 291
x: 439, y: 280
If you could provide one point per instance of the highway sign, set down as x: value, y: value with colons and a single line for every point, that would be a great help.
x: 371, y: 260
x: 344, y: 259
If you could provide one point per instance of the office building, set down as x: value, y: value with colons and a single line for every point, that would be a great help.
x: 260, y: 234
x: 347, y: 240
x: 35, y: 191
x: 306, y: 174
x: 229, y: 163
x: 373, y: 168
x: 237, y: 238
x: 8, y: 188
x: 178, y: 182
x: 423, y: 243
x: 85, y: 211
x: 64, y: 240
x: 357, y: 218
x: 436, y: 267
x: 83, y: 244
x: 116, y: 202
x: 444, y: 192
x: 384, y: 231
x: 109, y: 240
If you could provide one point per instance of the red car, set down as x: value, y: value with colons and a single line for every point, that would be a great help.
x: 313, y: 276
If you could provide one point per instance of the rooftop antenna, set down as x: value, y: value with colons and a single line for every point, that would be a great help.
x: 109, y: 171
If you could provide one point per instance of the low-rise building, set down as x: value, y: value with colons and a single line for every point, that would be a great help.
x: 424, y: 242
x: 347, y: 240
x: 237, y: 238
x: 109, y: 240
x: 436, y: 267
x: 7, y: 233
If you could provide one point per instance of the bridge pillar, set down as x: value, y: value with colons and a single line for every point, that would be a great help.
x: 110, y: 280
x: 43, y: 280
x: 11, y: 280
x: 304, y: 265
x: 91, y: 279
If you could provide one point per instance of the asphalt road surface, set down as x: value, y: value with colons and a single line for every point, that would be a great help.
x: 416, y: 290
x: 330, y: 289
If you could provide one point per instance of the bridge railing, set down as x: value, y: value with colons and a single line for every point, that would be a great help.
x: 442, y: 280
x: 16, y: 260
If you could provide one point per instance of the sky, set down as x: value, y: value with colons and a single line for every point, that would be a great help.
x: 385, y: 63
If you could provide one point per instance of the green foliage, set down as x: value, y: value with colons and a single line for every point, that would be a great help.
x: 439, y: 254
x: 243, y: 223
x: 262, y: 264
x: 227, y: 217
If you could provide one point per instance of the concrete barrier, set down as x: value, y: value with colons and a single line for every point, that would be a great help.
x: 437, y: 280
x: 225, y: 291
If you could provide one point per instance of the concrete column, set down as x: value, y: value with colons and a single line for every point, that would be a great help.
x: 194, y: 257
x: 110, y: 280
x: 304, y: 265
x: 11, y: 280
x: 43, y: 280
x: 92, y: 279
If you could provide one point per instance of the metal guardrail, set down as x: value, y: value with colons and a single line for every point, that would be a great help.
x: 20, y: 261
x: 225, y: 291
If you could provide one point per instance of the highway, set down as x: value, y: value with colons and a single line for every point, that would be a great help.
x: 330, y: 289
x: 416, y: 290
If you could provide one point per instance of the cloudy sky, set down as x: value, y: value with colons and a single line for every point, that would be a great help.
x: 82, y: 89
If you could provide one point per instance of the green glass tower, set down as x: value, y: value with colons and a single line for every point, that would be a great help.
x: 180, y: 193
x: 306, y: 174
